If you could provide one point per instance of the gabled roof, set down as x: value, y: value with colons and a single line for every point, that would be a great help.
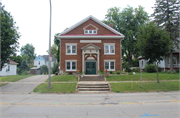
x: 89, y: 45
x: 12, y: 62
x: 119, y: 35
x: 46, y: 57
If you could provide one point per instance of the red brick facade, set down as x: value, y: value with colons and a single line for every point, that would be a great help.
x: 101, y: 31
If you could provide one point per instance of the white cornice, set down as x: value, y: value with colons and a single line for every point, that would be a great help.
x: 119, y: 37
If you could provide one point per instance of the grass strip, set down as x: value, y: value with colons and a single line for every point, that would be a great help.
x: 145, y: 77
x: 2, y: 84
x: 146, y: 86
x: 56, y: 88
x: 14, y: 78
x: 63, y: 78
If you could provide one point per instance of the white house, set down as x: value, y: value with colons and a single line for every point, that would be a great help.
x: 165, y: 63
x: 9, y: 68
x: 43, y: 60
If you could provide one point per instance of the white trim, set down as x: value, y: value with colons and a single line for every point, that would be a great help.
x: 71, y: 50
x: 70, y: 65
x: 89, y: 31
x: 109, y: 50
x: 71, y: 43
x: 116, y: 37
x: 90, y: 41
x: 109, y: 43
x: 88, y: 26
x: 109, y: 60
x: 110, y: 66
x: 70, y: 60
x: 95, y: 19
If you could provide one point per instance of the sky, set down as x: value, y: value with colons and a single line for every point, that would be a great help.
x: 33, y: 17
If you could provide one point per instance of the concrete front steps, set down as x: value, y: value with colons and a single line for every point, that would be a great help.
x: 93, y: 86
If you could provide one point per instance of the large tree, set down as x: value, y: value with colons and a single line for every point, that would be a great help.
x: 153, y: 43
x: 127, y: 22
x: 57, y: 42
x: 166, y: 16
x: 27, y: 51
x: 17, y: 59
x: 9, y: 36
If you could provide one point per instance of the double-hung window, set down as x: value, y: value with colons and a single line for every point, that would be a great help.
x: 109, y: 49
x: 71, y: 49
x: 109, y: 65
x: 70, y: 65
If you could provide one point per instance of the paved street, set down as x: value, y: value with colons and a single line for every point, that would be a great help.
x: 106, y: 105
x: 25, y: 85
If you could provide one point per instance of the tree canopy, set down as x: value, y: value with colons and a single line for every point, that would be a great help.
x: 166, y: 16
x: 9, y: 36
x: 27, y: 51
x: 153, y: 43
x: 127, y: 22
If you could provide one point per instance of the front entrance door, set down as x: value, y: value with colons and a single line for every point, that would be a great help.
x: 90, y: 67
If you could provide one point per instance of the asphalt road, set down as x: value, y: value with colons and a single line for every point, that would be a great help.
x: 106, y: 105
x: 23, y: 86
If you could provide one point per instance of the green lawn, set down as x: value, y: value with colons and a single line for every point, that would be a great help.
x: 56, y: 88
x: 146, y: 86
x: 13, y: 78
x: 65, y: 78
x: 2, y: 84
x: 145, y: 77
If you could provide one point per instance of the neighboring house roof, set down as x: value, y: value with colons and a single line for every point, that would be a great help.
x: 12, y: 62
x: 64, y: 35
x: 46, y: 57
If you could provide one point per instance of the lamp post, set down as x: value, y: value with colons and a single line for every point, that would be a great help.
x: 50, y: 58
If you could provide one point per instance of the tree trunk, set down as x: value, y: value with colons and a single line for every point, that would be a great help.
x: 171, y: 61
x: 157, y: 71
x: 130, y: 60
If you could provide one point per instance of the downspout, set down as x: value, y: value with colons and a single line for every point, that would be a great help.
x: 121, y: 54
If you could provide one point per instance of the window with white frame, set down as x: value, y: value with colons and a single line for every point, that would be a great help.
x: 70, y: 65
x: 109, y: 49
x: 109, y: 65
x: 90, y: 31
x: 70, y: 49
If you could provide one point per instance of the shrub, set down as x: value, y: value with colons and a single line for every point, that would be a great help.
x: 44, y: 69
x: 23, y: 67
x: 130, y: 73
x: 150, y: 68
x: 137, y: 69
x: 55, y: 68
x: 168, y: 72
x: 70, y: 73
x: 24, y: 72
x: 118, y: 72
x: 114, y: 72
x: 110, y: 72
x: 126, y: 66
x: 177, y: 70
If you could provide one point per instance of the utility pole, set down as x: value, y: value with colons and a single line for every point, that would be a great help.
x: 50, y: 58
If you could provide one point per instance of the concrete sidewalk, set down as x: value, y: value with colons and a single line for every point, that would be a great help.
x: 23, y: 86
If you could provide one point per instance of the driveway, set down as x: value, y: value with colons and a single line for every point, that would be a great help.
x: 25, y: 85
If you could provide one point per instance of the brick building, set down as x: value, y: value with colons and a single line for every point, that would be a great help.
x: 89, y: 46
